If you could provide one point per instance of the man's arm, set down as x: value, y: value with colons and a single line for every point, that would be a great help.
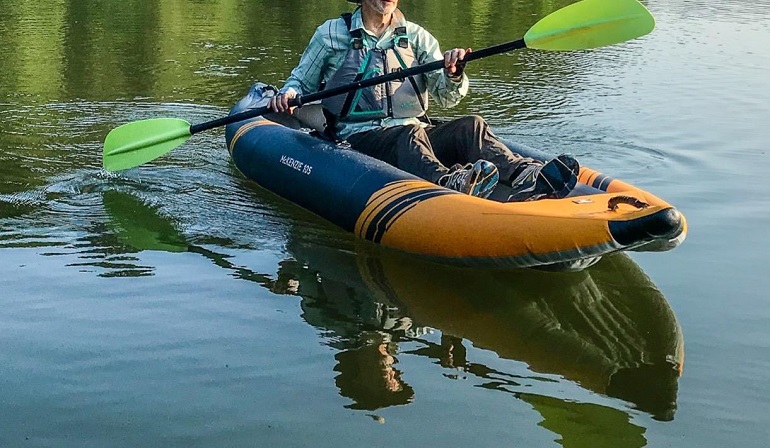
x: 442, y: 85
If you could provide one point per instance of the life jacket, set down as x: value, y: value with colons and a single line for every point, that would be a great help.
x: 401, y: 98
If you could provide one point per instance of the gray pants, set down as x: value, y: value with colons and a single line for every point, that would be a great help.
x: 427, y: 152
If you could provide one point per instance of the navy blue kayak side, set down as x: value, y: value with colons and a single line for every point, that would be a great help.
x: 325, y: 178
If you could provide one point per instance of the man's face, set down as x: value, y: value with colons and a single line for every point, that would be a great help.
x: 382, y: 6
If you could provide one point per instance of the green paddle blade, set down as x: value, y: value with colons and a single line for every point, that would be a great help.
x: 590, y: 24
x: 139, y: 142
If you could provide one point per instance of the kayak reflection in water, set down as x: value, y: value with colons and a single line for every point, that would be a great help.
x: 607, y: 328
x: 389, y: 122
x: 366, y: 333
x: 368, y: 374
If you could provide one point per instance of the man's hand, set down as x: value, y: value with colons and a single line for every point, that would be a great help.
x: 280, y: 102
x: 453, y: 62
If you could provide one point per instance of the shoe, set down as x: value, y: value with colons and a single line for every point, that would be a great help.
x: 554, y: 180
x: 478, y: 179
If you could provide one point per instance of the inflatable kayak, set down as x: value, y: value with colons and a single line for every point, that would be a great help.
x: 390, y: 207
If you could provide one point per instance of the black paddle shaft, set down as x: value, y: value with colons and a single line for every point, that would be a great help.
x: 400, y: 74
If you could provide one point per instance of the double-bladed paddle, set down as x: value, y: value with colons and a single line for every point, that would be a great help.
x: 579, y: 26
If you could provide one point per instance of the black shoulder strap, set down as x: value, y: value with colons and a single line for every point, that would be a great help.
x: 348, y: 18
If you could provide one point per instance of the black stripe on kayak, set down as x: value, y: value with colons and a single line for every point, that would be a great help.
x: 602, y: 181
x: 388, y: 215
x: 382, y: 197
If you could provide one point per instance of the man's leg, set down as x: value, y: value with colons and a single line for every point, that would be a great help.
x: 408, y: 148
x: 468, y: 139
x: 405, y: 147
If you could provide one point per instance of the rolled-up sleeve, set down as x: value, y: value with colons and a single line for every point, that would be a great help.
x: 443, y: 90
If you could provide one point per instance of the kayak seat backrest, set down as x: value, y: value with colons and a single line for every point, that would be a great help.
x: 311, y: 116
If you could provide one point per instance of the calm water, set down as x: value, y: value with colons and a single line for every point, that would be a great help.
x: 180, y: 305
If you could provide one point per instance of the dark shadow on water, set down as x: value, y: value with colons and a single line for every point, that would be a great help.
x: 608, y: 328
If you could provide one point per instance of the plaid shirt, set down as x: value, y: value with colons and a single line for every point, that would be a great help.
x: 329, y: 45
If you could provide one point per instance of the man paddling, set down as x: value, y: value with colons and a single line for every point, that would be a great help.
x: 389, y: 121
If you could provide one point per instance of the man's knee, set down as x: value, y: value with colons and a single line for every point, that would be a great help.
x: 415, y: 133
x: 415, y: 129
x: 472, y: 126
x: 473, y: 121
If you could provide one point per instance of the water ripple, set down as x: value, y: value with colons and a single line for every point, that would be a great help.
x: 195, y: 190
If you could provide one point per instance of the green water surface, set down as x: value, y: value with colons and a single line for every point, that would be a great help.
x: 178, y: 304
